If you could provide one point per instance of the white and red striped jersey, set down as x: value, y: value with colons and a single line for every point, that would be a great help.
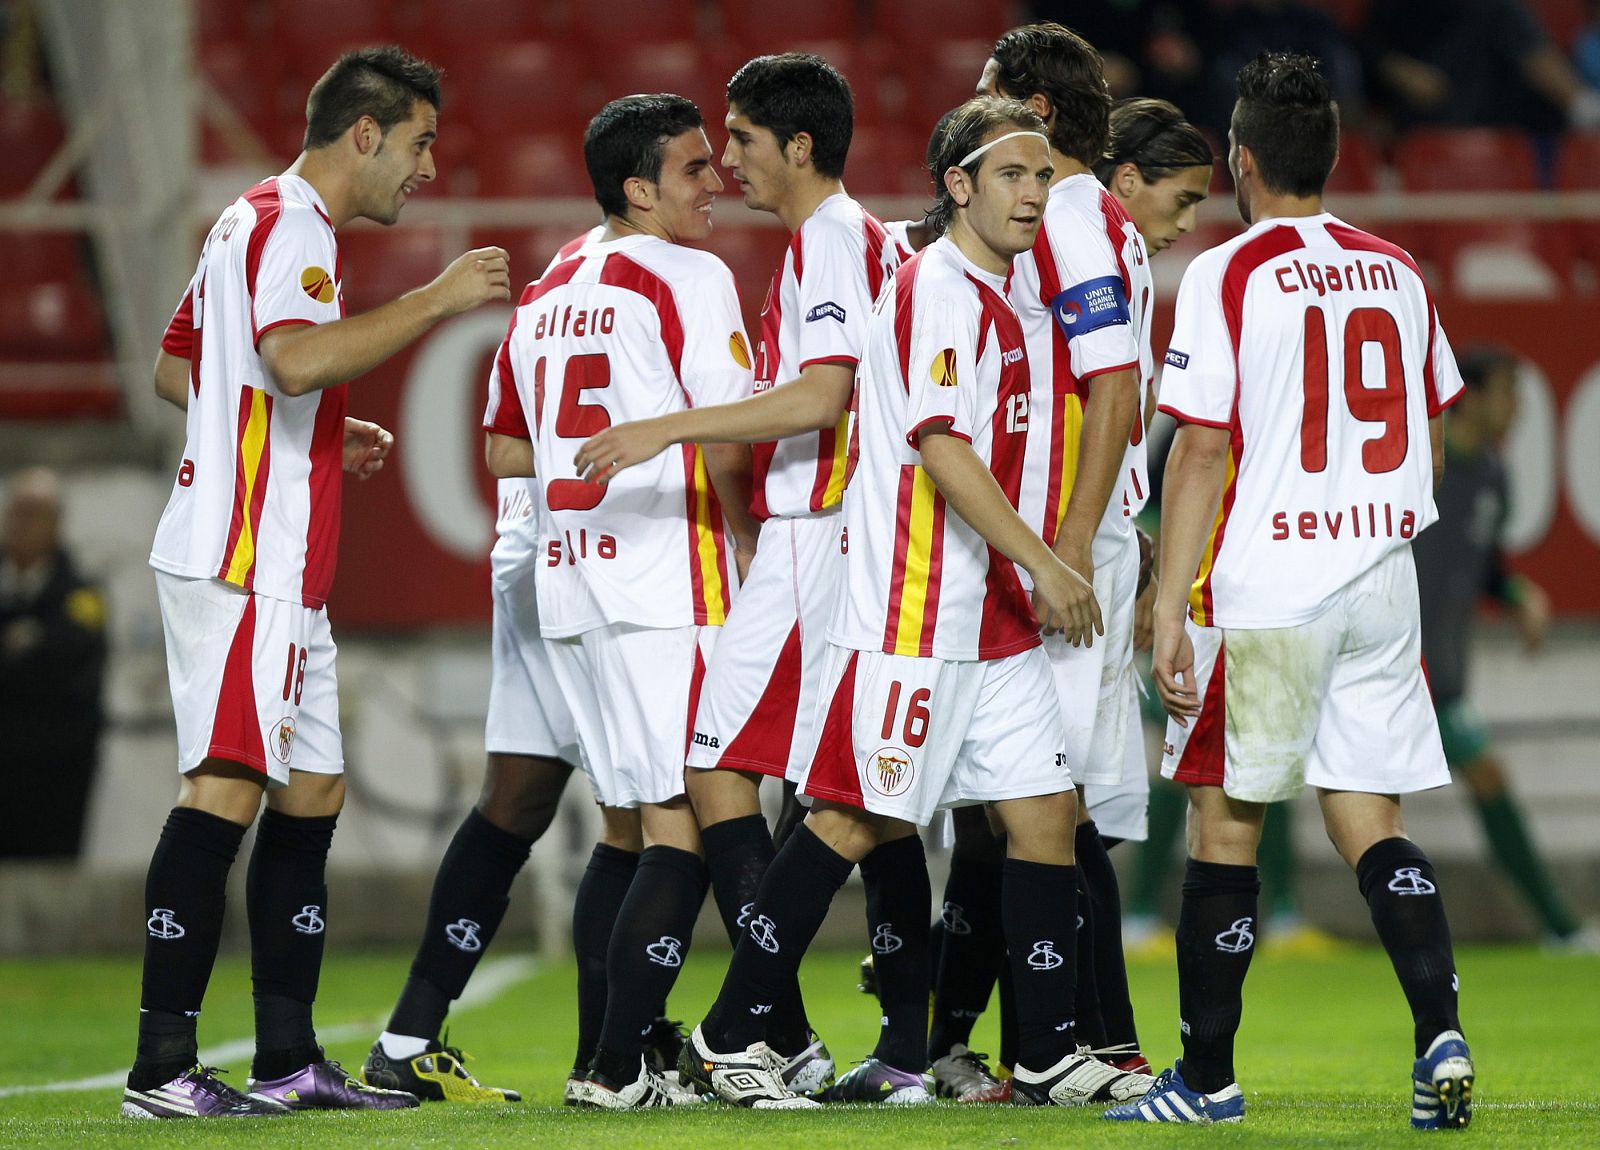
x: 256, y: 500
x: 1084, y: 295
x: 816, y: 312
x: 616, y: 331
x: 899, y: 236
x: 944, y: 348
x: 1318, y: 346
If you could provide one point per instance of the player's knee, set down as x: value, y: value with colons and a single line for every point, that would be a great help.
x: 622, y: 828
x: 720, y: 794
x: 228, y: 790
x: 521, y: 793
x: 309, y: 796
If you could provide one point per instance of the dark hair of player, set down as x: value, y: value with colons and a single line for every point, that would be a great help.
x: 1063, y: 67
x: 799, y: 92
x: 1153, y: 136
x: 626, y: 138
x: 1288, y: 119
x: 383, y: 82
x: 964, y: 131
x: 1478, y: 362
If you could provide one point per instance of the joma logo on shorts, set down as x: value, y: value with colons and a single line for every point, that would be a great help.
x: 704, y: 740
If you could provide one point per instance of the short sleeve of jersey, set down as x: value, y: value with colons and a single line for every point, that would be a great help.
x: 833, y: 300
x: 1444, y: 378
x: 942, y: 371
x: 1200, y: 376
x: 295, y: 279
x: 504, y: 414
x: 1092, y: 308
x: 178, y: 339
x: 716, y: 353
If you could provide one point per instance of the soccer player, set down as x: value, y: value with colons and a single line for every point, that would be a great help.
x: 1306, y: 571
x: 789, y: 126
x: 936, y: 692
x: 1158, y: 166
x: 638, y: 575
x: 259, y: 352
x: 1460, y: 562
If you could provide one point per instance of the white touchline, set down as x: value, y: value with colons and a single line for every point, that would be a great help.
x: 490, y: 981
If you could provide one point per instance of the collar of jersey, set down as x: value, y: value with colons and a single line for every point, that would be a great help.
x: 998, y: 282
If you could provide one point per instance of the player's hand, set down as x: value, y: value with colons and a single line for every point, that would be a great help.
x: 1080, y: 559
x: 1064, y: 601
x: 619, y: 448
x: 1533, y: 616
x: 473, y: 278
x: 1172, y: 669
x: 1144, y: 611
x: 366, y: 446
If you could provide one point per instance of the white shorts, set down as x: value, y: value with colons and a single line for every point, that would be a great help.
x: 1339, y: 702
x: 252, y: 679
x: 904, y: 736
x: 527, y: 714
x: 631, y: 691
x: 1122, y: 811
x: 758, y: 710
x: 1093, y: 683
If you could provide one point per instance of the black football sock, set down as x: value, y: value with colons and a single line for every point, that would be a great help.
x: 790, y: 907
x: 738, y: 853
x: 899, y: 905
x: 286, y: 897
x: 599, y: 897
x: 1039, y: 908
x: 185, y: 891
x: 1401, y: 890
x: 972, y: 950
x: 469, y: 900
x: 1091, y: 1026
x: 1110, y: 968
x: 791, y: 813
x: 1216, y: 939
x: 1008, y: 1017
x: 647, y: 950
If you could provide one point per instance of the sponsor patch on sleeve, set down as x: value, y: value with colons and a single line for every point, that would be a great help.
x: 1178, y: 359
x: 943, y: 369
x: 737, y: 349
x: 829, y: 310
x: 317, y: 284
x: 1090, y: 306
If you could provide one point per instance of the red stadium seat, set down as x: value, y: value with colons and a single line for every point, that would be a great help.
x: 316, y: 32
x: 920, y: 22
x: 1578, y: 168
x: 516, y: 88
x: 888, y: 160
x: 1561, y: 20
x: 758, y: 28
x: 30, y: 134
x: 679, y: 66
x: 544, y: 164
x: 1495, y: 259
x: 1467, y: 160
x: 379, y: 263
x: 619, y: 22
x: 1359, y: 164
x: 56, y: 316
x: 451, y: 31
x: 937, y: 78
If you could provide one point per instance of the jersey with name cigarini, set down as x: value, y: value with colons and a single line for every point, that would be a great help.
x: 944, y: 350
x: 1318, y: 347
x: 616, y: 331
x: 816, y: 312
x: 256, y: 500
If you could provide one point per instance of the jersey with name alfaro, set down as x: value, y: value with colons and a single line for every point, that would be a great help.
x: 623, y: 330
x: 944, y: 349
x: 816, y: 312
x: 257, y: 497
x: 1319, y: 348
x: 1083, y: 294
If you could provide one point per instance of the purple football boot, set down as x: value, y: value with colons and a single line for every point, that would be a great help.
x: 325, y: 1086
x: 197, y: 1093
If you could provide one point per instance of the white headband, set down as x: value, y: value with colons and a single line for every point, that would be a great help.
x: 976, y: 152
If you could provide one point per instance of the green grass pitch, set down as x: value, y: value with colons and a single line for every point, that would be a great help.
x: 1324, y: 1057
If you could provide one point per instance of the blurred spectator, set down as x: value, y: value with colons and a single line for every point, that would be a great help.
x: 1481, y: 63
x: 52, y: 659
x: 1586, y: 48
x: 1150, y: 47
x: 1459, y: 563
x: 1249, y: 27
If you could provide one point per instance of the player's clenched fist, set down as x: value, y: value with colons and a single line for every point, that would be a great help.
x: 619, y: 447
x: 1064, y: 601
x: 473, y: 278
